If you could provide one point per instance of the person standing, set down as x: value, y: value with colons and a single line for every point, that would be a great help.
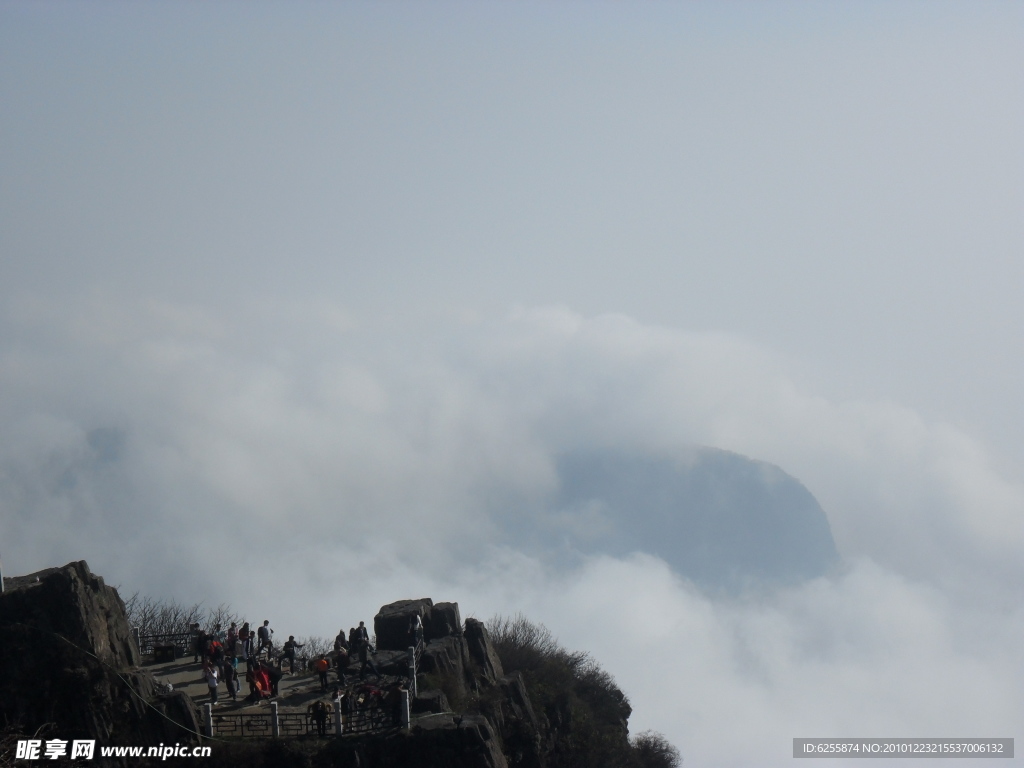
x: 318, y: 712
x: 362, y: 636
x: 340, y: 642
x: 230, y: 677
x: 416, y: 630
x: 341, y: 647
x: 363, y: 643
x: 245, y: 638
x: 322, y: 666
x: 210, y: 673
x: 231, y: 645
x: 289, y: 653
x: 198, y: 643
x: 264, y: 635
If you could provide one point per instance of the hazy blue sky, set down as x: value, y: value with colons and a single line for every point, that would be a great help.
x: 339, y: 280
x: 842, y: 182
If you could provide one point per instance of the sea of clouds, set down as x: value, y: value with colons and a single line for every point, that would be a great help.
x: 307, y: 463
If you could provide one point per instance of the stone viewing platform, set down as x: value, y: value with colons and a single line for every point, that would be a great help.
x: 296, y: 690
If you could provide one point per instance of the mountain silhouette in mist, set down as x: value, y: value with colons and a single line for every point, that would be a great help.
x: 718, y: 518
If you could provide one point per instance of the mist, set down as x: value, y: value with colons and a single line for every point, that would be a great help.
x: 310, y: 310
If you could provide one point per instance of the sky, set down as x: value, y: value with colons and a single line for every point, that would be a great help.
x: 299, y: 302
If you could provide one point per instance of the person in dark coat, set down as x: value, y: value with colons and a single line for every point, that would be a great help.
x: 318, y: 712
x: 230, y: 678
x: 363, y: 641
x: 198, y: 643
x: 289, y: 653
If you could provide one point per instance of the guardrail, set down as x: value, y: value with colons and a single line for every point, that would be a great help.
x: 181, y: 640
x: 375, y: 717
x: 358, y: 717
x: 261, y: 725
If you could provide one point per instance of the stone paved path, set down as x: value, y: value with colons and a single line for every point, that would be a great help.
x: 296, y: 691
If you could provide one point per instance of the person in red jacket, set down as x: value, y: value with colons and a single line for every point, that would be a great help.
x: 259, y: 681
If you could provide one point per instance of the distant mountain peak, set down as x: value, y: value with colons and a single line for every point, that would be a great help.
x: 719, y: 518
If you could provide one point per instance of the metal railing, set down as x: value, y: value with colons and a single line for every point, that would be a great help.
x: 356, y: 719
x: 254, y: 726
x: 182, y: 640
x: 261, y: 725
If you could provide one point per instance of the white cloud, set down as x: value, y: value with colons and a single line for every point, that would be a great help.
x: 311, y: 466
x: 867, y: 653
x: 923, y: 498
x: 396, y: 429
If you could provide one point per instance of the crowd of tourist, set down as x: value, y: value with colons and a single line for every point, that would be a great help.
x: 364, y: 706
x: 221, y: 651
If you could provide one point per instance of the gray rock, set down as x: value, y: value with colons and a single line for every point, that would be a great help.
x: 444, y: 621
x: 480, y: 650
x: 70, y: 660
x: 446, y: 656
x: 391, y: 624
x: 432, y: 700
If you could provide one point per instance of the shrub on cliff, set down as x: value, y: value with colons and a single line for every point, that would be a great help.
x: 652, y: 750
x: 585, y: 710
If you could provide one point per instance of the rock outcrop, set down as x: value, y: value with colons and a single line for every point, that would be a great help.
x: 70, y: 663
x: 392, y: 622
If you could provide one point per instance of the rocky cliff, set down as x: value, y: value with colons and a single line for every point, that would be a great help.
x: 71, y: 671
x: 70, y: 664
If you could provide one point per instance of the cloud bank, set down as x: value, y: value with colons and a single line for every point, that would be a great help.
x: 310, y: 463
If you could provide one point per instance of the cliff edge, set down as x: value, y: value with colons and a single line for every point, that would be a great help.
x: 72, y: 671
x: 70, y: 666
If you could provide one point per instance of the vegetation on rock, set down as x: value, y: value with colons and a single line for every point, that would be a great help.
x: 585, y: 711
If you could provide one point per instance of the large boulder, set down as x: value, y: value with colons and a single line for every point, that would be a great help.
x: 445, y: 658
x: 70, y: 661
x: 481, y: 651
x: 392, y: 622
x: 75, y: 604
x: 443, y: 621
